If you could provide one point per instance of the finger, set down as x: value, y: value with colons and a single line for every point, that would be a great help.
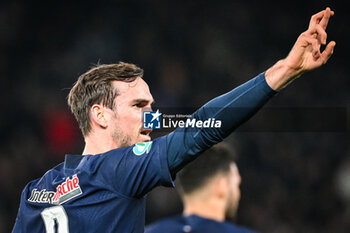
x: 319, y: 33
x: 315, y: 45
x: 327, y: 53
x: 325, y: 19
x: 315, y: 19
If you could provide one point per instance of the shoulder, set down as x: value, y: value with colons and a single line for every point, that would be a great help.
x: 43, y: 184
x: 193, y: 224
x: 138, y: 149
x: 171, y: 224
x: 131, y: 156
x: 236, y: 228
x: 48, y: 177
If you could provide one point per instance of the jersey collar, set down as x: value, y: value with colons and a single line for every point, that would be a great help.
x: 72, y: 161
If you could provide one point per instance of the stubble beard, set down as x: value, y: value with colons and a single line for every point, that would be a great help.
x: 121, y: 139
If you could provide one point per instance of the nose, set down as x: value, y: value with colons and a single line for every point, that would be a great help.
x: 147, y: 109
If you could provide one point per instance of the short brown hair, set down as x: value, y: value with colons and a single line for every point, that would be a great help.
x: 94, y: 87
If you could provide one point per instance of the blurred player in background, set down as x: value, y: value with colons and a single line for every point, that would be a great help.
x: 104, y: 190
x: 209, y: 188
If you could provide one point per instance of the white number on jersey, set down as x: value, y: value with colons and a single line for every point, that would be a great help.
x: 57, y: 213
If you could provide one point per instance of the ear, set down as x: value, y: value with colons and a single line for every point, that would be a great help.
x: 98, y: 116
x: 222, y: 187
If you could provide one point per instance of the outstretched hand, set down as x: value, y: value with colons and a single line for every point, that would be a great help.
x: 305, y: 54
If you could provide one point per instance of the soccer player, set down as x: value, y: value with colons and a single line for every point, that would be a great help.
x: 103, y: 190
x: 209, y: 188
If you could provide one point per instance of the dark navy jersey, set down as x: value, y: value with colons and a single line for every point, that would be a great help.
x: 105, y: 192
x: 194, y: 224
x: 100, y: 193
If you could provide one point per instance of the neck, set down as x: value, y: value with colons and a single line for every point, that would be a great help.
x: 95, y: 144
x: 210, y: 208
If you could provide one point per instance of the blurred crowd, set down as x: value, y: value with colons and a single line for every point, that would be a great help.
x: 191, y: 51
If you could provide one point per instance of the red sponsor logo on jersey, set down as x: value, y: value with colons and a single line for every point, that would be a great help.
x: 69, y: 189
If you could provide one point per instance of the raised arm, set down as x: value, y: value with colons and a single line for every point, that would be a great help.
x: 238, y: 105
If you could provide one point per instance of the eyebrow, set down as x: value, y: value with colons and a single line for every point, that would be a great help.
x: 143, y: 100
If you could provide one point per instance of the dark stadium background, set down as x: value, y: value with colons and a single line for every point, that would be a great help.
x: 191, y: 51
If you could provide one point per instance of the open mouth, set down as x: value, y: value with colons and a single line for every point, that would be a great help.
x: 146, y: 133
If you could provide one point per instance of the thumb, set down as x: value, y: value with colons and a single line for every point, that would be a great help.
x: 328, y: 51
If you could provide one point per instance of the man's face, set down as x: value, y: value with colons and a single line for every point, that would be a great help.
x: 132, y: 99
x: 234, y: 196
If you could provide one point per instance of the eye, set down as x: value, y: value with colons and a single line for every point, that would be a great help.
x: 139, y: 105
